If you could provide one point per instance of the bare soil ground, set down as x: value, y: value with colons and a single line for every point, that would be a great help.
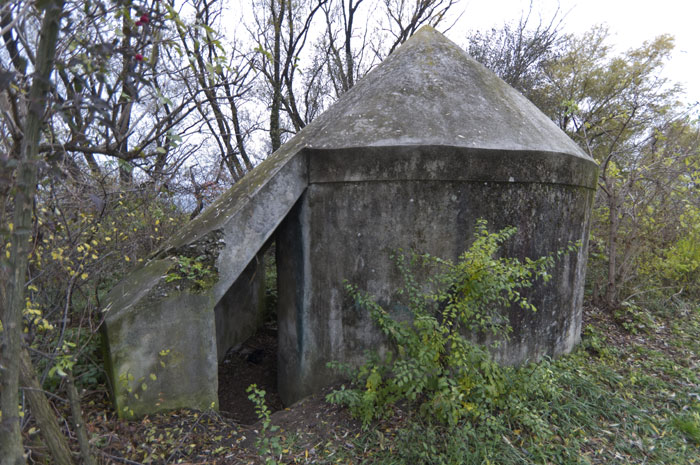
x: 224, y: 437
x: 254, y: 362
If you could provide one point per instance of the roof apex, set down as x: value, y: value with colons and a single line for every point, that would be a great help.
x: 431, y: 92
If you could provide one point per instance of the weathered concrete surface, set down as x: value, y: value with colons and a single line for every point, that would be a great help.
x: 430, y: 209
x: 147, y: 316
x: 154, y: 333
x: 411, y: 157
x: 240, y: 312
x: 430, y: 92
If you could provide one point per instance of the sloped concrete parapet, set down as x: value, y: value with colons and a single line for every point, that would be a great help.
x: 153, y: 334
x: 160, y: 329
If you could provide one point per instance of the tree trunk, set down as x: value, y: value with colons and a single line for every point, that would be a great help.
x: 611, y: 289
x: 42, y: 411
x: 10, y: 434
x: 78, y: 422
x: 123, y: 122
x: 275, y: 107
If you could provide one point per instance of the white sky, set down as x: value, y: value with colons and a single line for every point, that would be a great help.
x: 630, y: 22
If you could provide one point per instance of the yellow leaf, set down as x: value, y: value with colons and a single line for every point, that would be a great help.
x: 126, y: 258
x: 84, y: 276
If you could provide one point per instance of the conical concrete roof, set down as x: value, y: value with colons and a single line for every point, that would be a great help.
x: 431, y: 92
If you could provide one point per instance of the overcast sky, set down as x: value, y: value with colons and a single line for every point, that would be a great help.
x: 630, y: 23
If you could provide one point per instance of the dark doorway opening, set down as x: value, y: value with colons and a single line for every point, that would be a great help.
x: 255, y: 360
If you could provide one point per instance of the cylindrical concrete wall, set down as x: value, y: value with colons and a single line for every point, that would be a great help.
x: 363, y: 204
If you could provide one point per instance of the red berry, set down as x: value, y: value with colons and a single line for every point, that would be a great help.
x: 144, y: 19
x: 138, y: 57
x: 138, y: 23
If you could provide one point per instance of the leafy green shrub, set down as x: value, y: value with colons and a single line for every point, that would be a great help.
x: 269, y: 445
x: 194, y: 271
x: 82, y: 357
x: 594, y: 341
x: 681, y: 263
x: 434, y: 365
x: 83, y: 242
x: 633, y: 318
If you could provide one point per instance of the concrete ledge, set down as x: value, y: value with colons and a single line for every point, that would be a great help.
x: 449, y: 163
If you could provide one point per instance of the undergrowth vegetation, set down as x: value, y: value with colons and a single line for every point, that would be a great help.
x: 588, y: 407
x: 80, y: 250
x: 619, y: 398
x: 629, y: 393
x: 439, y: 398
x: 436, y: 367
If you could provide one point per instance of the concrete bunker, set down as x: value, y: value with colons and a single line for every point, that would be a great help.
x: 425, y: 144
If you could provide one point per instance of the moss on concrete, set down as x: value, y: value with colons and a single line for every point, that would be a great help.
x: 162, y: 355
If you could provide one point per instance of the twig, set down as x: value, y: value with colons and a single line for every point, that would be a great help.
x: 120, y: 459
x: 184, y: 437
x: 46, y: 393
